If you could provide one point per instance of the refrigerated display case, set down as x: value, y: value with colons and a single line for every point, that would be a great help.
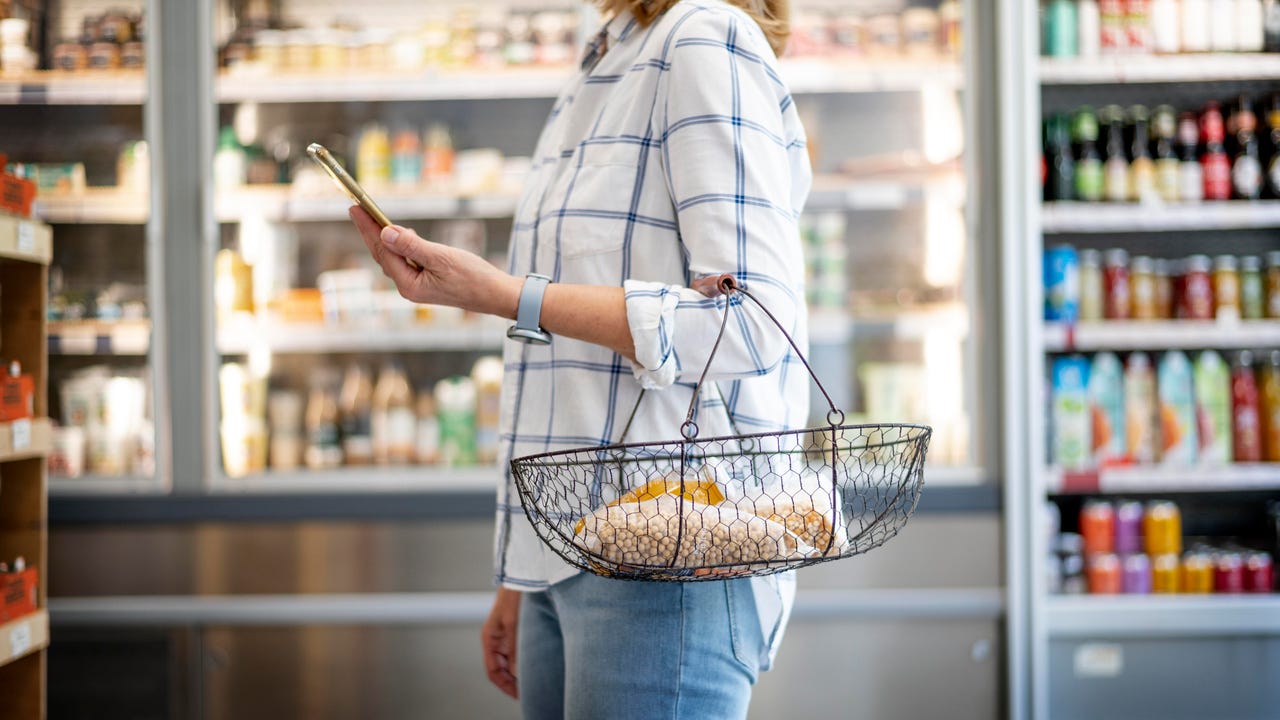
x: 436, y: 109
x: 69, y: 66
x: 1104, y: 619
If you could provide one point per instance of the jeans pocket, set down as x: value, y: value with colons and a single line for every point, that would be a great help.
x: 744, y: 625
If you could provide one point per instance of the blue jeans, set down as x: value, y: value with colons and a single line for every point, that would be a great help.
x: 590, y: 648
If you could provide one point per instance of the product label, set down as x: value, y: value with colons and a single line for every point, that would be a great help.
x: 1167, y: 179
x: 1217, y: 176
x: 20, y: 639
x: 1246, y: 176
x: 1116, y: 180
x: 1089, y: 180
x: 1099, y: 660
x: 26, y: 237
x: 21, y: 434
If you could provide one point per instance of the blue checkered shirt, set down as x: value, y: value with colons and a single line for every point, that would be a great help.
x: 677, y: 152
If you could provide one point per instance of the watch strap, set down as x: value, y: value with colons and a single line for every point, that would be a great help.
x: 529, y: 311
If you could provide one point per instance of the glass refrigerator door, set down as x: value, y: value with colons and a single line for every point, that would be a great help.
x: 73, y: 90
x: 435, y: 109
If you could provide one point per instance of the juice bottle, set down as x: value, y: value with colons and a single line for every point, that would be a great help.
x: 1140, y: 408
x: 1213, y: 407
x: 487, y: 377
x: 1072, y: 442
x: 1270, y: 376
x: 355, y: 405
x: 394, y: 420
x: 373, y: 156
x: 1245, y: 414
x: 1106, y: 408
x: 1177, y: 409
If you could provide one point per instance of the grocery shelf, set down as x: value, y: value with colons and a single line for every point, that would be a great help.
x: 23, y: 439
x: 22, y: 636
x: 124, y: 87
x: 1232, y: 477
x: 98, y: 337
x: 238, y: 338
x: 1141, y: 616
x: 106, y: 485
x: 25, y: 240
x: 1161, y: 335
x: 1160, y: 69
x: 802, y: 76
x: 1078, y: 217
x: 365, y: 479
x: 100, y: 205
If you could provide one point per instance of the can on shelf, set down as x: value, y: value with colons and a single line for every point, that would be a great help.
x: 1098, y: 526
x: 1135, y: 578
x: 1196, y: 301
x: 1197, y: 573
x: 1128, y: 528
x: 1259, y: 573
x: 1115, y: 284
x: 1103, y: 574
x: 1228, y: 572
x: 1164, y: 574
x: 1162, y: 528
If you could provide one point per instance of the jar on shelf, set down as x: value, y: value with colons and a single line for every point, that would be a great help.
x: 1142, y: 289
x: 1164, y: 290
x: 1273, y: 284
x: 1091, y: 290
x: 1115, y: 280
x: 1226, y: 288
x: 1197, y: 290
x: 1252, y: 292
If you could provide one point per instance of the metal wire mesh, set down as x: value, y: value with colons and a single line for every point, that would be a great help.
x: 741, y: 505
x: 729, y: 506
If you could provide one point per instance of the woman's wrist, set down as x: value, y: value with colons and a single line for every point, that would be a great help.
x: 498, y: 294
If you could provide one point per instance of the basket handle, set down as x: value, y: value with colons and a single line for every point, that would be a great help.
x: 726, y: 284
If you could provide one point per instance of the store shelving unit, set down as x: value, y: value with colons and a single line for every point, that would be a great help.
x: 1063, y: 627
x: 1161, y: 335
x: 25, y: 250
x: 240, y: 338
x: 59, y: 88
x: 96, y: 337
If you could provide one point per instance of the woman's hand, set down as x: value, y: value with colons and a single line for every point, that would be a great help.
x: 444, y: 276
x: 498, y: 639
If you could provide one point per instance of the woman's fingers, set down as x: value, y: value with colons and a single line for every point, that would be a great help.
x: 498, y: 642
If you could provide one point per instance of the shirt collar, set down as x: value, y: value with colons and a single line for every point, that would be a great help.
x: 614, y: 32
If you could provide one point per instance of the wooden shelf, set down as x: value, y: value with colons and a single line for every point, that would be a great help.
x: 1197, y: 67
x: 23, y: 636
x: 25, y: 240
x: 23, y: 439
x: 1162, y: 335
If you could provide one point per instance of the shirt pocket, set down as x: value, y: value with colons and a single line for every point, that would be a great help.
x: 593, y: 208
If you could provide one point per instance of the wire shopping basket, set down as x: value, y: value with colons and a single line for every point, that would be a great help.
x: 732, y: 506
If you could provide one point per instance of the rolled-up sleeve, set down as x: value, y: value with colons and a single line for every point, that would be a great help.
x: 738, y: 182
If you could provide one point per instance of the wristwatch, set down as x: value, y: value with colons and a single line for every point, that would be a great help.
x: 527, y: 328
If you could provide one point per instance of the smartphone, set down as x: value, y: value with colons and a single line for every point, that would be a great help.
x: 346, y: 183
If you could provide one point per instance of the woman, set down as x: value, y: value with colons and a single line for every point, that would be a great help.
x: 675, y: 154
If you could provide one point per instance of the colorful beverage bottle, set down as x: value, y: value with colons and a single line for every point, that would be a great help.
x: 1213, y: 407
x: 1246, y: 431
x: 1140, y: 407
x: 1106, y: 408
x: 1270, y: 375
x: 1072, y: 433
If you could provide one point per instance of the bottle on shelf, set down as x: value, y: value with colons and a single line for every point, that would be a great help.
x: 1137, y: 26
x: 1060, y: 184
x: 427, y: 449
x: 437, y: 156
x: 373, y: 156
x: 230, y: 166
x: 1179, y: 439
x: 1273, y: 285
x: 1091, y: 286
x: 1112, y: 22
x: 1250, y: 33
x: 324, y: 447
x: 1142, y: 288
x: 1273, y: 146
x: 1215, y: 165
x: 1212, y: 380
x: 1115, y: 163
x: 1245, y: 414
x: 1142, y: 170
x: 1253, y: 298
x: 1190, y: 173
x: 394, y: 420
x: 1115, y: 285
x: 356, y: 406
x: 1140, y: 407
x: 1165, y: 31
x: 1060, y: 32
x: 1222, y: 25
x: 1089, y: 27
x: 1088, y: 167
x: 1246, y: 167
x: 1106, y: 401
x: 456, y: 409
x: 406, y: 158
x: 486, y: 375
x: 1164, y: 290
x: 1197, y: 302
x: 1195, y: 26
x: 1271, y: 27
x: 1164, y: 127
x: 1270, y: 391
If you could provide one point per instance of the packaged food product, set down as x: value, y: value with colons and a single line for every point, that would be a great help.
x: 1273, y: 284
x: 1135, y: 576
x: 1164, y: 290
x: 1098, y: 526
x: 1246, y: 420
x: 1165, y: 574
x: 1115, y: 280
x: 456, y: 410
x: 356, y: 408
x: 68, y: 454
x: 920, y: 31
x: 1091, y: 289
x: 1270, y: 401
x: 1197, y: 573
x: 1061, y: 284
x: 1103, y: 572
x: 1253, y: 299
x: 1141, y: 408
x: 1197, y: 290
x: 1162, y: 528
x: 486, y: 374
x: 1072, y: 432
x: 406, y: 158
x: 1179, y: 441
x: 1213, y: 407
x: 1142, y: 289
x: 1226, y: 288
x: 1106, y: 409
x: 285, y: 429
x: 373, y: 156
x: 324, y: 447
x: 393, y: 421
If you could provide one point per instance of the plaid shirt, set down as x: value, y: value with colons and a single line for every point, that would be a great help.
x: 676, y: 153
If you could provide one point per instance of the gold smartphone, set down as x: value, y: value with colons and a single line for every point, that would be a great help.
x: 346, y: 183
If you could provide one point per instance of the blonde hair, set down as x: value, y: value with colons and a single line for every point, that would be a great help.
x: 773, y: 16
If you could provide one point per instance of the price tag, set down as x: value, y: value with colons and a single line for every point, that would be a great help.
x: 1099, y: 660
x: 21, y: 434
x: 26, y: 237
x: 20, y: 639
